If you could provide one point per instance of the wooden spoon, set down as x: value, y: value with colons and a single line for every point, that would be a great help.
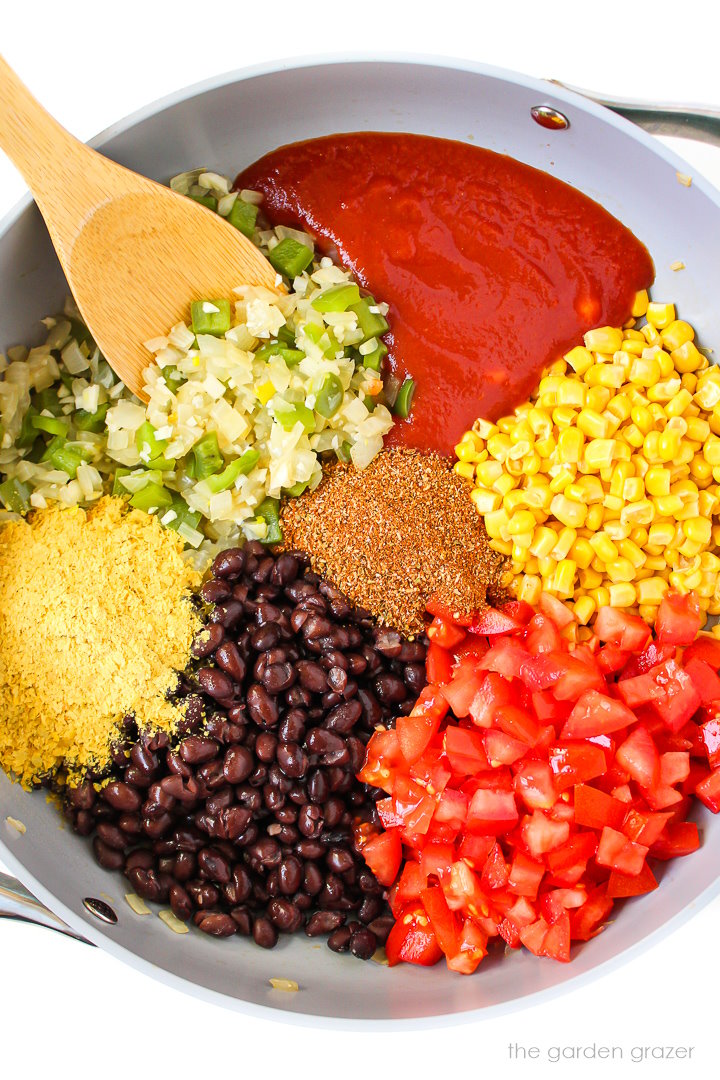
x: 135, y: 253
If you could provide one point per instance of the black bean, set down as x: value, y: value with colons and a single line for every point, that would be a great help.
x: 121, y: 796
x: 339, y: 860
x: 264, y: 933
x: 363, y: 944
x: 242, y: 917
x: 390, y: 689
x: 310, y: 821
x: 238, y: 763
x: 110, y: 858
x: 229, y: 563
x: 262, y: 707
x: 343, y: 718
x: 180, y: 901
x: 195, y: 750
x: 229, y: 658
x: 204, y: 895
x: 265, y: 746
x: 207, y: 640
x: 112, y: 836
x: 285, y: 916
x: 216, y: 923
x: 339, y: 940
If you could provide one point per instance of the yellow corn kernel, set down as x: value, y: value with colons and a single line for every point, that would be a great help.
x: 538, y: 497
x: 633, y: 489
x: 565, y: 540
x: 485, y: 501
x: 667, y: 368
x: 514, y: 500
x: 617, y: 530
x: 599, y: 452
x: 651, y: 334
x: 592, y: 424
x: 619, y: 407
x: 629, y: 550
x: 678, y: 405
x: 642, y: 418
x: 633, y: 436
x: 689, y: 382
x: 610, y: 375
x: 582, y: 553
x: 601, y: 596
x: 502, y: 546
x: 669, y: 445
x: 584, y: 609
x: 676, y: 334
x: 564, y: 580
x: 531, y: 464
x: 603, y: 547
x: 522, y: 521
x: 544, y: 540
x: 530, y: 589
x: 546, y: 567
x: 668, y: 505
x: 570, y: 513
x: 711, y: 450
x: 613, y: 504
x: 571, y: 392
x: 709, y: 562
x: 687, y: 358
x: 665, y: 390
x: 464, y: 468
x: 595, y: 517
x: 633, y: 347
x: 498, y: 446
x: 598, y: 398
x: 563, y: 479
x: 546, y: 447
x: 640, y: 304
x: 707, y: 395
x: 690, y: 548
x: 563, y: 416
x: 506, y: 424
x: 579, y: 359
x: 504, y: 483
x: 638, y: 513
x: 590, y: 579
x: 487, y: 472
x: 622, y: 595
x: 570, y: 445
x: 466, y: 450
x: 496, y: 524
x: 698, y: 429
x: 620, y: 570
x: 520, y: 545
x: 660, y: 315
x: 657, y: 480
x: 605, y: 339
x: 592, y: 489
x: 644, y: 371
x: 661, y: 533
x: 698, y: 530
x: 484, y: 429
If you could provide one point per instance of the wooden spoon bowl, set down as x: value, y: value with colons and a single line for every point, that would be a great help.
x: 135, y: 253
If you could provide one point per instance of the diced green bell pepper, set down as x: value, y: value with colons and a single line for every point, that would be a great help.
x: 148, y: 446
x: 295, y: 490
x: 269, y: 511
x: 215, y: 321
x: 28, y: 431
x: 151, y: 495
x: 373, y: 360
x: 66, y: 460
x: 292, y: 357
x: 15, y: 496
x: 118, y: 487
x: 337, y: 297
x: 289, y: 415
x: 47, y: 400
x: 51, y: 424
x: 207, y: 457
x: 185, y: 516
x: 87, y: 421
x: 286, y: 335
x: 206, y: 200
x: 290, y: 257
x: 243, y: 216
x: 372, y: 323
x: 240, y: 467
x: 329, y: 397
x: 173, y: 378
x: 403, y: 401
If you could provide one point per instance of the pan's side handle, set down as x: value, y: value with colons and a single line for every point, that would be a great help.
x: 17, y: 903
x: 701, y: 122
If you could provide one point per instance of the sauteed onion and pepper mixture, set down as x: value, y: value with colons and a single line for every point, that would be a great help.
x: 384, y: 620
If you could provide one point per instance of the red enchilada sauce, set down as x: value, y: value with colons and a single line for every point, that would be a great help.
x: 491, y: 268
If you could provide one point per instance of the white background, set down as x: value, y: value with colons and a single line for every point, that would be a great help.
x: 65, y: 1007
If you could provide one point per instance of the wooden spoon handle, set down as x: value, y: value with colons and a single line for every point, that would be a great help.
x: 49, y: 158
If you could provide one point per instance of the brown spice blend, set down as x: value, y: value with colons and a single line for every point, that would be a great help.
x: 395, y: 534
x: 95, y: 621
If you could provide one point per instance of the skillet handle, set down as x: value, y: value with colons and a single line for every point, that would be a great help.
x: 701, y: 122
x: 17, y: 903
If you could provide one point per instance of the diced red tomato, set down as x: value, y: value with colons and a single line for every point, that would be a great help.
x: 619, y: 853
x: 445, y: 633
x: 383, y: 855
x: 650, y: 657
x: 708, y: 791
x: 462, y: 689
x: 412, y: 939
x: 596, y: 714
x: 628, y: 632
x: 416, y: 730
x: 705, y: 680
x: 501, y: 749
x: 492, y: 811
x: 496, y: 871
x: 705, y: 648
x: 674, y: 767
x: 465, y: 751
x: 567, y: 864
x: 710, y: 738
x: 383, y: 755
x: 435, y: 606
x: 388, y: 817
x: 586, y: 921
x: 475, y: 849
x: 438, y: 664
x: 525, y: 876
x: 442, y: 919
x: 493, y: 621
x: 541, y: 834
x: 595, y: 809
x: 611, y: 658
x: 556, y: 902
x: 471, y: 949
x: 534, y: 783
x: 680, y: 838
x: 506, y: 657
x: 556, y: 610
x: 542, y: 636
x: 412, y: 804
x: 519, y: 610
x: 410, y: 883
x: 556, y: 944
x: 574, y: 763
x: 620, y: 884
x: 638, y: 756
x: 518, y: 723
x: 644, y: 827
x: 494, y: 693
x: 533, y: 936
x: 452, y: 808
x: 678, y: 619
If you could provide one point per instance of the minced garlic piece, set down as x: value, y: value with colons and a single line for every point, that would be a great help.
x: 137, y: 904
x: 15, y: 824
x: 95, y: 621
x: 289, y: 986
x: 172, y: 922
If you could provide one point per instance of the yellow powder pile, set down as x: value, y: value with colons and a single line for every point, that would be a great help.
x: 95, y: 619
